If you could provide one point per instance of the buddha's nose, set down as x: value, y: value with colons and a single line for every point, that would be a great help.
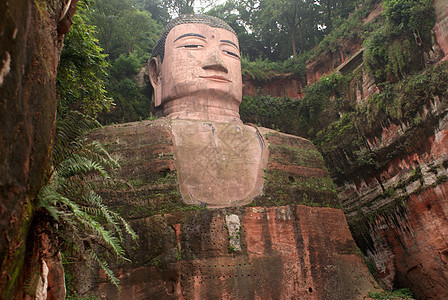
x: 214, y: 62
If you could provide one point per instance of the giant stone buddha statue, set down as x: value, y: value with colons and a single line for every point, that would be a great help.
x: 224, y: 210
x: 196, y: 75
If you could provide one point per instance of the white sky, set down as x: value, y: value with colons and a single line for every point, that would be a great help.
x: 201, y: 4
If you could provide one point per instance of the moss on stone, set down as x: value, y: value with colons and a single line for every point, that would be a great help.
x: 17, y: 250
x: 282, y: 188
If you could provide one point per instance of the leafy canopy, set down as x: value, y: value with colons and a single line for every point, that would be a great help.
x: 82, y: 71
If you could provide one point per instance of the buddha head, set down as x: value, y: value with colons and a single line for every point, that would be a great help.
x: 195, y: 70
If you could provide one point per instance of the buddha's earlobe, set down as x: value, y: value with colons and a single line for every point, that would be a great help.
x: 155, y: 79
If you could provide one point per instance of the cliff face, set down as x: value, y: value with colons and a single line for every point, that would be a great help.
x: 30, y: 43
x: 409, y: 245
x: 399, y: 215
x: 397, y: 210
x: 390, y: 168
x: 264, y: 253
x: 274, y: 248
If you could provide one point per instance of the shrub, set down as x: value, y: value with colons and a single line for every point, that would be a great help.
x: 84, y: 222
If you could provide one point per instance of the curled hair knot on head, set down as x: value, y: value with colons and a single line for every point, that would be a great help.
x: 159, y: 48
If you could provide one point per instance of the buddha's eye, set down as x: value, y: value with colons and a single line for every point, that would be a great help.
x: 231, y: 53
x: 193, y: 46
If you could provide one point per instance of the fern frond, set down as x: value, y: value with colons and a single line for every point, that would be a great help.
x: 69, y: 129
x: 126, y: 225
x: 80, y: 165
x: 105, y: 267
x: 89, y: 223
x: 49, y: 199
x: 96, y: 207
x: 99, y: 154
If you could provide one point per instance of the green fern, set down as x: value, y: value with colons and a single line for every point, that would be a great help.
x: 79, y: 167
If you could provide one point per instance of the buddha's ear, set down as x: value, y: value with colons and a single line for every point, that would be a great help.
x: 155, y: 78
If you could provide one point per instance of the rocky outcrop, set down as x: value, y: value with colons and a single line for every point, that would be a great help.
x: 284, y: 252
x: 398, y: 215
x: 44, y: 274
x: 283, y: 85
x: 409, y: 244
x: 30, y: 43
x: 397, y: 207
x: 273, y: 248
x: 392, y: 180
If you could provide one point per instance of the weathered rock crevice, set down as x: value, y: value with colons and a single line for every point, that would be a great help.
x: 30, y: 44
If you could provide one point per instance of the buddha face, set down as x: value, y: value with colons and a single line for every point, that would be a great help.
x: 200, y: 61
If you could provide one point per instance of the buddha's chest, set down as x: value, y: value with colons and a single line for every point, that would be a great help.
x: 218, y: 164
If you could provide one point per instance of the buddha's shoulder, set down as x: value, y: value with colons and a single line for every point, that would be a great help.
x: 276, y: 138
x: 141, y: 148
x: 288, y: 152
x: 133, y: 129
x: 295, y: 172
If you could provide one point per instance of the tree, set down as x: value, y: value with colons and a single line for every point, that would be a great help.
x: 156, y: 8
x: 180, y: 7
x: 138, y: 33
x: 295, y: 18
x: 331, y: 9
x: 123, y: 28
x: 128, y: 34
x: 131, y: 101
x: 272, y: 29
x: 82, y: 69
x: 238, y: 15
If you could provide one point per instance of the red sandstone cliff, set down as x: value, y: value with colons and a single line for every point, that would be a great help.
x: 398, y: 214
x: 275, y: 249
x: 397, y: 209
x: 30, y: 43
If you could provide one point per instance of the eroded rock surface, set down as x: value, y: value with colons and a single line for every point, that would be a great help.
x: 31, y: 34
x: 290, y: 251
x: 274, y: 248
x: 400, y: 216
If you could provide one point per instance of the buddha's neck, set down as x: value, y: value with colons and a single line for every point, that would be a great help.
x: 202, y: 108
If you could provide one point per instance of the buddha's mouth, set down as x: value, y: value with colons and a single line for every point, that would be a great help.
x: 216, y: 78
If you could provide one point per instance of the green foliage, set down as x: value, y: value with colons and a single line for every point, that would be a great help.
x: 351, y: 28
x: 131, y: 101
x: 318, y: 95
x: 277, y: 30
x: 335, y: 133
x: 79, y: 168
x: 399, y: 12
x: 343, y: 141
x: 263, y: 69
x: 410, y: 14
x: 156, y: 8
x: 272, y: 112
x: 390, y: 54
x: 291, y: 20
x: 393, y: 50
x: 128, y: 33
x: 123, y: 28
x: 80, y: 81
x: 301, y: 117
x: 125, y: 66
x: 397, y: 294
